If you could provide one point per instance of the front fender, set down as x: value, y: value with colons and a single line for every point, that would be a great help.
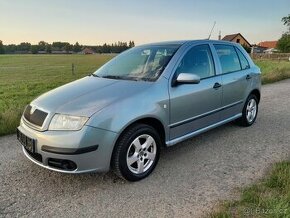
x: 119, y: 115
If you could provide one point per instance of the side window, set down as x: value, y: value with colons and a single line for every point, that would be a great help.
x: 243, y: 60
x: 198, y: 60
x: 228, y: 58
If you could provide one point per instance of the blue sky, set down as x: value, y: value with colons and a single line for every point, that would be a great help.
x: 99, y: 21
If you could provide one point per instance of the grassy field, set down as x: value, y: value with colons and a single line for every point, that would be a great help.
x: 268, y: 198
x: 24, y: 77
x: 273, y: 71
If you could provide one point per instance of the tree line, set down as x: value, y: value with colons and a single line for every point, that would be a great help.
x: 62, y: 47
x: 284, y: 42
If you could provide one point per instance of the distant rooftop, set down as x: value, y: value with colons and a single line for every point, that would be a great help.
x: 268, y: 44
x: 230, y: 37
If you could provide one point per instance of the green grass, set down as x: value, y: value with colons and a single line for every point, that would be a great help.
x: 24, y: 77
x: 273, y: 71
x: 269, y: 197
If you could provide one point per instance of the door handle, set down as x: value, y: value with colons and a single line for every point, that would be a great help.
x: 217, y: 85
x: 248, y: 77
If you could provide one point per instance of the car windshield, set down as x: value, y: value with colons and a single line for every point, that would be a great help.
x: 139, y: 63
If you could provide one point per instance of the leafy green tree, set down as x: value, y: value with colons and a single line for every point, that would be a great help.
x: 286, y: 21
x: 24, y: 47
x: 2, y: 50
x: 48, y: 48
x: 106, y: 48
x: 60, y: 46
x: 77, y: 47
x: 10, y: 49
x: 131, y: 44
x: 34, y: 49
x: 42, y: 45
x: 68, y: 47
x: 284, y: 43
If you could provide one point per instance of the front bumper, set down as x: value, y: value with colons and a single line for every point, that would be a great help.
x: 88, y: 160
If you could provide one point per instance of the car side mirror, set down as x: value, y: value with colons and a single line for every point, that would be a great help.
x: 187, y: 78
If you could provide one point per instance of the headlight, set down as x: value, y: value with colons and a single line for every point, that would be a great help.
x: 67, y: 122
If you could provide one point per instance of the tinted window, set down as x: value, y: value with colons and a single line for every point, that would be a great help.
x: 243, y: 60
x: 197, y: 60
x: 228, y: 58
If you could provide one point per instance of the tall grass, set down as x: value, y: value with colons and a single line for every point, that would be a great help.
x: 273, y: 71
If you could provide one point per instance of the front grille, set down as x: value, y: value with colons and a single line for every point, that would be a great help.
x: 35, y: 156
x: 37, y: 117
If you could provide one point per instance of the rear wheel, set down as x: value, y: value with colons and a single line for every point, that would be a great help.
x: 250, y: 111
x: 136, y: 152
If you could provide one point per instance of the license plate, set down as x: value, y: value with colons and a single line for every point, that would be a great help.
x: 27, y: 142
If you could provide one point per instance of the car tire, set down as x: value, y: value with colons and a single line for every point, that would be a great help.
x: 250, y: 111
x: 136, y: 152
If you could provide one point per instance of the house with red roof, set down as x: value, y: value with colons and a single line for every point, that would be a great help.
x: 268, y: 44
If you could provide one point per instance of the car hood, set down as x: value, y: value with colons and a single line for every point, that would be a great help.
x: 88, y: 95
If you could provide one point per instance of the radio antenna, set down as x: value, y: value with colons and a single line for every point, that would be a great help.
x: 211, y: 30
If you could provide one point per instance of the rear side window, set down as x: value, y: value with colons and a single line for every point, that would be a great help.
x: 228, y: 58
x: 198, y: 60
x: 244, y: 62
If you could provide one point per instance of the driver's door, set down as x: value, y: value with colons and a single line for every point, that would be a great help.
x: 195, y: 106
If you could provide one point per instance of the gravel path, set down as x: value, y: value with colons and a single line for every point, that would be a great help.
x: 189, y: 179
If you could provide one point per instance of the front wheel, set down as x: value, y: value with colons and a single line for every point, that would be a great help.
x: 136, y: 152
x: 250, y: 111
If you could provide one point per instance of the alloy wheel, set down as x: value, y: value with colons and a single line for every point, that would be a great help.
x: 141, y: 154
x: 251, y: 110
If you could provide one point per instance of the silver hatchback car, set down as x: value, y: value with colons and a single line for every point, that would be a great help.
x: 147, y: 97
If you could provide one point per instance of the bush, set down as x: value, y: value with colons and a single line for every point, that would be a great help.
x: 247, y: 48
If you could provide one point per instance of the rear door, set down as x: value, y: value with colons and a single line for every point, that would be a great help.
x: 193, y: 106
x: 235, y: 79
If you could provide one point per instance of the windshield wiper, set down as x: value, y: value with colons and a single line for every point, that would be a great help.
x: 108, y: 76
x: 112, y: 77
x: 118, y: 77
